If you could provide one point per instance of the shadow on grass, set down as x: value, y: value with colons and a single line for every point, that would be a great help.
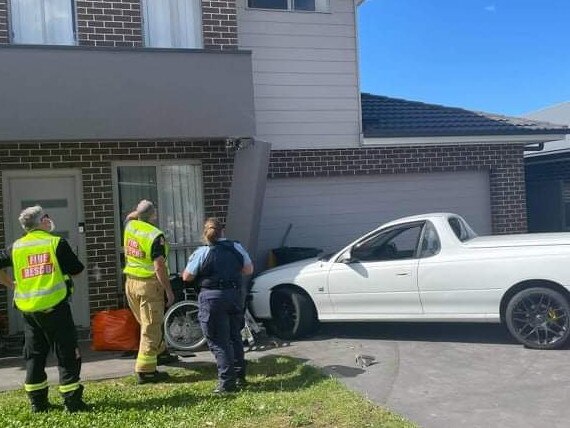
x: 269, y: 373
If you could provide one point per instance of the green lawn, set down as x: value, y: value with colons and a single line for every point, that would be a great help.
x: 283, y: 392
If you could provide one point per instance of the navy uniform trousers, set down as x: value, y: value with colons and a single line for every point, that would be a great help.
x: 221, y: 319
x: 44, y: 331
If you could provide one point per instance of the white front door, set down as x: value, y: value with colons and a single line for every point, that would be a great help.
x: 59, y: 193
x: 381, y: 276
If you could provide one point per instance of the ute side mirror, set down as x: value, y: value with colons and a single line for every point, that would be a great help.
x: 347, y: 258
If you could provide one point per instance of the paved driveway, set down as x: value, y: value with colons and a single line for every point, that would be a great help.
x: 442, y: 375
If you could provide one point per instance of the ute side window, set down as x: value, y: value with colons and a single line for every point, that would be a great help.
x: 430, y: 241
x: 461, y: 229
x: 395, y: 244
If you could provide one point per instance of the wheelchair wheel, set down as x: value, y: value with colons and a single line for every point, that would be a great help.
x: 182, y: 330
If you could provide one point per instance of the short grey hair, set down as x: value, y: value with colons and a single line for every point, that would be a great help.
x: 145, y: 210
x: 31, y: 217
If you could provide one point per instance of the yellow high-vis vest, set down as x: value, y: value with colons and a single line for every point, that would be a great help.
x: 40, y: 283
x: 137, y: 243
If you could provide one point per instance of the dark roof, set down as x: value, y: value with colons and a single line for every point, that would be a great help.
x: 393, y: 117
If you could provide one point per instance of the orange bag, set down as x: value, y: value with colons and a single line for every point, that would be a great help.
x: 116, y: 330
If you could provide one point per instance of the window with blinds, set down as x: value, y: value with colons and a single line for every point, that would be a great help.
x: 177, y: 191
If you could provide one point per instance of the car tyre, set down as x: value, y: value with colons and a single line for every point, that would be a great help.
x: 539, y: 318
x: 293, y: 313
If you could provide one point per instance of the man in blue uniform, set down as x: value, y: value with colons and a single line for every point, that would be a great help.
x: 217, y: 267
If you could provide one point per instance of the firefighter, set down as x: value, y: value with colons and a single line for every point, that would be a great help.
x: 147, y: 281
x: 42, y: 264
x: 217, y: 267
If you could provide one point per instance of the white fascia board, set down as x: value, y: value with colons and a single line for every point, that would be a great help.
x: 475, y: 139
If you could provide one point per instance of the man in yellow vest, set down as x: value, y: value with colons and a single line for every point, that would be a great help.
x: 42, y: 265
x: 147, y: 281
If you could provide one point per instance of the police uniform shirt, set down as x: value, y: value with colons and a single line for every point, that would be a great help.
x: 197, y: 258
x: 68, y: 261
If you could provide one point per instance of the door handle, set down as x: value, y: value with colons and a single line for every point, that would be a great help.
x: 403, y: 273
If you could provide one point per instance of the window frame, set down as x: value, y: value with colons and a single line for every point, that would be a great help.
x: 290, y: 8
x: 115, y: 165
x: 74, y: 26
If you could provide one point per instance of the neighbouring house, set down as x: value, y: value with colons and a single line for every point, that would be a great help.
x: 414, y: 157
x: 548, y: 177
x: 110, y: 101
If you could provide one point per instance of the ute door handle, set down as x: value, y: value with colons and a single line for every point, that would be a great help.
x: 402, y: 273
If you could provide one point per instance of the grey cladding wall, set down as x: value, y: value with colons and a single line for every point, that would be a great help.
x: 76, y: 93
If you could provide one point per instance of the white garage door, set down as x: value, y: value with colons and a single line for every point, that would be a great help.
x: 330, y: 212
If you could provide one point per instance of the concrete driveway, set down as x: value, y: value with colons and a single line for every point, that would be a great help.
x: 443, y: 375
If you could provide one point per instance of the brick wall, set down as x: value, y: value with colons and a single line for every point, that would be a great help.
x: 219, y: 24
x: 504, y: 163
x: 109, y: 23
x: 4, y: 36
x: 94, y: 160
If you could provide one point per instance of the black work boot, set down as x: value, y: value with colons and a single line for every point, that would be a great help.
x: 152, y: 377
x: 241, y: 383
x: 39, y: 400
x: 73, y: 401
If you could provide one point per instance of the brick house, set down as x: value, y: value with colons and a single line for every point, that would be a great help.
x: 121, y: 99
x: 106, y: 102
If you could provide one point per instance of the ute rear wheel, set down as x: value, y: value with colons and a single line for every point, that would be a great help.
x: 539, y: 318
x: 294, y: 315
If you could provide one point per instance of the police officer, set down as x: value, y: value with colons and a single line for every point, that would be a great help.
x: 42, y: 264
x: 217, y: 267
x: 146, y: 252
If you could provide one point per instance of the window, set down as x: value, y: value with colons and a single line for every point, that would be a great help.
x: 177, y: 190
x: 394, y: 244
x: 461, y: 229
x: 304, y: 5
x: 430, y: 241
x: 173, y: 23
x: 42, y: 22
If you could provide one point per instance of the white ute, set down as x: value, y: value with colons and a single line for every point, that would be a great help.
x: 430, y: 267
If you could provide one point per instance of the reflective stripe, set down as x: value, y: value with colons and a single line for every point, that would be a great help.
x: 147, y: 359
x: 55, y: 288
x: 30, y: 387
x: 148, y: 268
x: 24, y: 244
x: 69, y: 387
x: 144, y: 234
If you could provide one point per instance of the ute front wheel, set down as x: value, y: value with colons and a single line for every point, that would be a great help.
x: 539, y: 318
x: 293, y: 314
